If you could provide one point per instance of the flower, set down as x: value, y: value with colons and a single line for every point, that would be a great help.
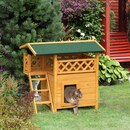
x: 79, y: 31
x: 88, y: 25
x: 82, y: 34
x: 73, y: 9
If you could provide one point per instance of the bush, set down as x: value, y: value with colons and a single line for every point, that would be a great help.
x: 112, y: 20
x: 82, y: 19
x: 24, y: 21
x: 110, y: 70
x: 15, y: 111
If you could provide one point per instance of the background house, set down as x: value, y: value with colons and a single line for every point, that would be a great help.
x: 116, y: 42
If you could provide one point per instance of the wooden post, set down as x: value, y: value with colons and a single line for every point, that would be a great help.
x: 55, y: 82
x: 42, y: 63
x: 31, y: 89
x: 97, y: 69
x: 106, y: 27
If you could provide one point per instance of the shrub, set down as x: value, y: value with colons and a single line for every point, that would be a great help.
x: 112, y: 20
x: 15, y: 111
x: 82, y: 19
x: 110, y: 70
x: 23, y: 21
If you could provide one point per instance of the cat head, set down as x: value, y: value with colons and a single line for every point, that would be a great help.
x: 78, y: 94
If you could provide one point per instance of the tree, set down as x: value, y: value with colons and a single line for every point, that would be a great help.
x: 24, y: 21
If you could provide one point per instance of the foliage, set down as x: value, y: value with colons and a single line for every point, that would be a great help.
x: 110, y: 70
x: 112, y: 20
x: 82, y: 19
x: 15, y: 111
x: 23, y: 21
x: 73, y: 9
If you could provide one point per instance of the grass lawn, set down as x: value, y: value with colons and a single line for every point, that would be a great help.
x: 113, y: 113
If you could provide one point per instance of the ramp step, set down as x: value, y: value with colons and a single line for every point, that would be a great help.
x: 43, y: 102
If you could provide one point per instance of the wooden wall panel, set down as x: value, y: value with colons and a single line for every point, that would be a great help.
x: 51, y: 82
x: 86, y: 82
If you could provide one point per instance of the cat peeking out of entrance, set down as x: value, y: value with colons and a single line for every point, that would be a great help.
x: 72, y: 95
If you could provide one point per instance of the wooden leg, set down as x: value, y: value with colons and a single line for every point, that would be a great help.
x: 55, y: 109
x: 96, y: 106
x: 34, y: 107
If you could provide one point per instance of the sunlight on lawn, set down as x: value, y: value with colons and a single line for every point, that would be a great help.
x: 113, y: 113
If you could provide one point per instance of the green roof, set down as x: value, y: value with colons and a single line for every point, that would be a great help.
x: 64, y: 47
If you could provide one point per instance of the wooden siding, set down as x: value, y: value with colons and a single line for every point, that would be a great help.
x: 119, y: 42
x: 86, y: 82
x: 120, y: 47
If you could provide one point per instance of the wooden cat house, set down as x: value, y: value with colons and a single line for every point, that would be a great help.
x: 57, y: 65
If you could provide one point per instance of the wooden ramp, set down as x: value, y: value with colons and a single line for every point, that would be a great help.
x: 46, y: 97
x: 120, y: 46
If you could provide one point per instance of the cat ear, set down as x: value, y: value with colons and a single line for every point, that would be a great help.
x: 76, y: 92
x: 78, y: 89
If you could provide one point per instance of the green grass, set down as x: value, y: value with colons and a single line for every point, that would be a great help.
x: 113, y: 113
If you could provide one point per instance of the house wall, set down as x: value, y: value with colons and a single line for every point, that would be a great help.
x: 51, y: 82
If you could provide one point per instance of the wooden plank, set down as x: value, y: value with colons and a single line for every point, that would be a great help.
x: 121, y: 55
x: 43, y: 102
x: 119, y: 51
x: 88, y: 89
x: 50, y: 95
x: 83, y: 77
x: 55, y: 81
x: 38, y: 73
x: 120, y: 45
x: 119, y: 40
x: 33, y: 51
x: 118, y: 48
x: 31, y: 88
x: 119, y: 36
x: 123, y: 60
x: 41, y: 90
x: 74, y: 72
x: 82, y: 103
x: 89, y: 96
x: 96, y: 80
x: 38, y: 79
x: 87, y: 86
x: 27, y: 63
